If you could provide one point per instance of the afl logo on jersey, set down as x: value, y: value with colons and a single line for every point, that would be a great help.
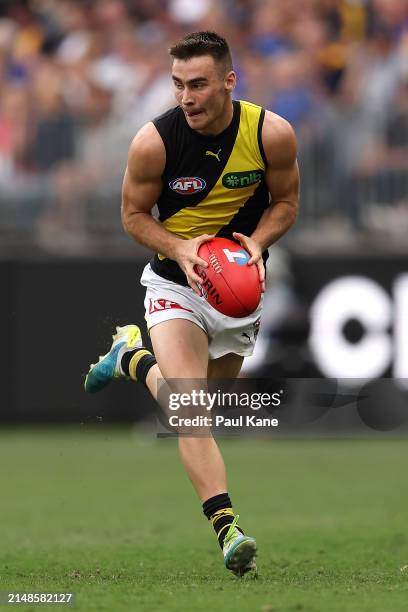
x: 187, y: 185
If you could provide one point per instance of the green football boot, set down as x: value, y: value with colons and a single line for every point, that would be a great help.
x: 127, y: 338
x: 239, y: 551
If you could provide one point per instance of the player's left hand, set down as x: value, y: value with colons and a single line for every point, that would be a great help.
x: 255, y: 251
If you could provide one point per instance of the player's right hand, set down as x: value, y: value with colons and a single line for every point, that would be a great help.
x: 187, y: 257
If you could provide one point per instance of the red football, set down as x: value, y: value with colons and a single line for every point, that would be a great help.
x: 229, y: 284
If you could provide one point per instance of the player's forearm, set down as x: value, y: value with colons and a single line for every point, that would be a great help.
x: 274, y: 223
x: 149, y: 232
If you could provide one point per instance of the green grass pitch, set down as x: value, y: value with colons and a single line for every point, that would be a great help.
x: 109, y: 515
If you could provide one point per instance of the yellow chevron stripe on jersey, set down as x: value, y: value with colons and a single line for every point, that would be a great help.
x: 222, y: 203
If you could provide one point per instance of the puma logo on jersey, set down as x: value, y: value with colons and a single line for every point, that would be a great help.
x: 212, y: 154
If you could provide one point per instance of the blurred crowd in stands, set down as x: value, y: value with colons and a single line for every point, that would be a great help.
x: 79, y: 77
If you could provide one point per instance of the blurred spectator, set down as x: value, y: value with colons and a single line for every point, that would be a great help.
x: 15, y: 131
x: 293, y: 94
x: 54, y: 135
x: 269, y: 30
x: 383, y: 170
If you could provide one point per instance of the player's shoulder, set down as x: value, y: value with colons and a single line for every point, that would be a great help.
x: 278, y: 129
x: 278, y: 138
x: 147, y: 151
x: 169, y: 116
x: 147, y: 141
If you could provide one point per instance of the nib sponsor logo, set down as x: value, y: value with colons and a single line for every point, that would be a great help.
x: 187, y: 185
x: 162, y: 304
x: 238, y: 180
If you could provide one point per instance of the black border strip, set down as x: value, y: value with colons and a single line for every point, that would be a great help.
x: 260, y: 144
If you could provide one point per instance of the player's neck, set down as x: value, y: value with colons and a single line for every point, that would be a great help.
x: 221, y: 122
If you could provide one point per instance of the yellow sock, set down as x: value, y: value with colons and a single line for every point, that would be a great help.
x: 134, y: 362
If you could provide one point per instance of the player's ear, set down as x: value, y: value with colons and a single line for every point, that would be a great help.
x: 230, y: 81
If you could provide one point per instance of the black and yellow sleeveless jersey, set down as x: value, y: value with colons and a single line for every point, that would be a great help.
x: 211, y: 184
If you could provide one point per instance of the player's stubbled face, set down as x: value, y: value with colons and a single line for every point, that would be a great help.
x: 202, y: 93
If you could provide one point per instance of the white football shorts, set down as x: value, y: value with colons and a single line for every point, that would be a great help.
x: 167, y: 300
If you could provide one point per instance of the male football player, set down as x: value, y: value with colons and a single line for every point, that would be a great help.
x: 215, y: 167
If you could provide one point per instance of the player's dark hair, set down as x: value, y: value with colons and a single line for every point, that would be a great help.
x: 197, y: 44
